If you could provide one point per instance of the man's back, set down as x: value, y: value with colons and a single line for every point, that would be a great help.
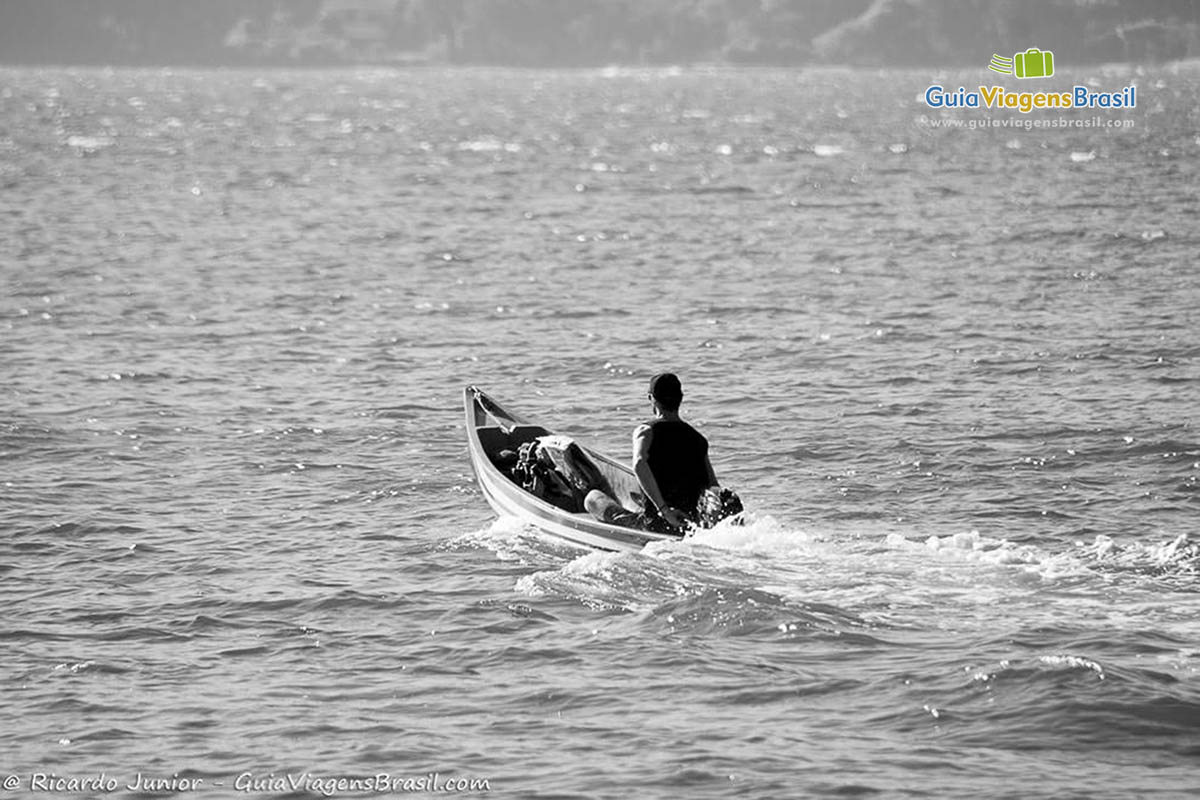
x: 678, y: 458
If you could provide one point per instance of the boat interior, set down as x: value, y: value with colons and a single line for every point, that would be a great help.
x: 494, y: 439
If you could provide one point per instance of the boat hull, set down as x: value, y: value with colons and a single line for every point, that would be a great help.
x: 490, y: 428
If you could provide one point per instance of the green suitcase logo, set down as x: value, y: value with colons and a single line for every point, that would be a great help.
x: 1033, y: 63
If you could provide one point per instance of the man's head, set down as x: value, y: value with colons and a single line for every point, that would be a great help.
x: 666, y: 391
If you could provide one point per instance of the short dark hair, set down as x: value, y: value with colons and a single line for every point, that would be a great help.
x: 666, y: 389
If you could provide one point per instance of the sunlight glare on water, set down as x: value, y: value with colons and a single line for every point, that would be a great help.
x: 952, y: 373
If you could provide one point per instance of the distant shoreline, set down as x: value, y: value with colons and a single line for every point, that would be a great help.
x: 589, y: 34
x: 284, y: 66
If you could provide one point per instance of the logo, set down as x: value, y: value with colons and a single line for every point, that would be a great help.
x: 1033, y: 63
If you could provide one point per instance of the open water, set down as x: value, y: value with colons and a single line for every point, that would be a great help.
x: 952, y: 372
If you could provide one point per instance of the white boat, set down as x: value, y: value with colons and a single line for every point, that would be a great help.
x: 491, y: 430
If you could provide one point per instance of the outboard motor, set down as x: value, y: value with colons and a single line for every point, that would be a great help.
x: 718, y: 503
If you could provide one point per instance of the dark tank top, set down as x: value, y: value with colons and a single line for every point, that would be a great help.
x: 677, y: 459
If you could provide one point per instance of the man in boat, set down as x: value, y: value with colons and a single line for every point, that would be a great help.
x: 670, y: 459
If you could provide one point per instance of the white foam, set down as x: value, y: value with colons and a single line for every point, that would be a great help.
x: 90, y: 144
x: 757, y: 534
x: 968, y: 546
x: 1175, y: 556
x: 1072, y: 662
x: 506, y: 536
x: 604, y: 580
x: 971, y: 547
x: 489, y: 146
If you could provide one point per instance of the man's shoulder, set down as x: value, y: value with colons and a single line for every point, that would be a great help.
x: 642, y: 436
x: 676, y: 427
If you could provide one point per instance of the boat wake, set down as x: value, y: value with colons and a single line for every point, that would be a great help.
x: 765, y: 574
x: 1176, y: 561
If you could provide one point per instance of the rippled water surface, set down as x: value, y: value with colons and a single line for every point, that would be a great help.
x: 953, y: 373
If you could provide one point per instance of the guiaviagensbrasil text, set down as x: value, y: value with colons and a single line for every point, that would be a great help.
x: 996, y: 97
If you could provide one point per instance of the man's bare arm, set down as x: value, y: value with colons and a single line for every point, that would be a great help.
x: 641, y: 466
